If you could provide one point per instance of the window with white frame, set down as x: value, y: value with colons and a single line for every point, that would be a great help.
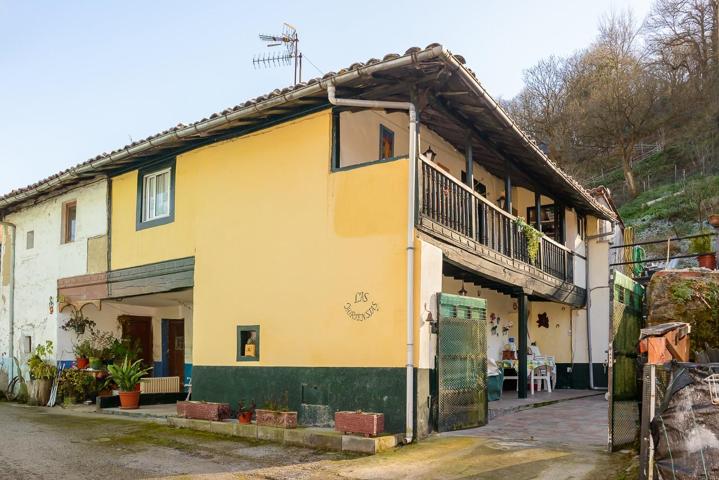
x: 156, y: 188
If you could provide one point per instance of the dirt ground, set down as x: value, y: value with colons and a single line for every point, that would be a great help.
x: 37, y: 444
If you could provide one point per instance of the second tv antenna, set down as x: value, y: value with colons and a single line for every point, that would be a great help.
x: 289, y: 39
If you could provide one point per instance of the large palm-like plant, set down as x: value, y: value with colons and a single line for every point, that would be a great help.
x: 127, y: 374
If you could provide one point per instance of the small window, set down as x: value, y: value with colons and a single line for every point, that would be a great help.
x: 30, y: 240
x: 248, y: 343
x: 386, y: 143
x: 69, y: 222
x: 156, y: 195
x: 26, y: 344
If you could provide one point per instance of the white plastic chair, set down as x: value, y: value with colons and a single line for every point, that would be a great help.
x: 542, y: 373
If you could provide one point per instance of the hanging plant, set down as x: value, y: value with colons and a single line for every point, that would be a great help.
x: 78, y: 323
x: 532, y: 236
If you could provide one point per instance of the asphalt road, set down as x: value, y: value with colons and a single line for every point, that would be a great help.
x: 39, y: 443
x: 35, y: 444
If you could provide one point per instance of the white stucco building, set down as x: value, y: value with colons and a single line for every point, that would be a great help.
x: 61, y: 235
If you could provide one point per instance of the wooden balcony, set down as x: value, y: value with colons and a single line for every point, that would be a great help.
x: 476, y: 234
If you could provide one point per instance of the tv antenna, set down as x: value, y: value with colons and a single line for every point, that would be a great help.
x: 289, y: 39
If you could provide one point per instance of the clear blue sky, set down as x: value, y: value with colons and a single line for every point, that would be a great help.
x: 78, y: 78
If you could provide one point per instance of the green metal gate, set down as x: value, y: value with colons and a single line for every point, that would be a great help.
x: 462, y: 362
x: 626, y: 301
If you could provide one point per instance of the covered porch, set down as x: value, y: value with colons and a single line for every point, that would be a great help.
x: 143, y: 313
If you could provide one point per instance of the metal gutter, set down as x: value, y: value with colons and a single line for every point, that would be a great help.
x: 412, y: 166
x: 223, y: 120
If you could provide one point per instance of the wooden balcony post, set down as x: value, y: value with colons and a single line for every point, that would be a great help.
x: 523, y: 317
x: 469, y: 180
x: 538, y: 210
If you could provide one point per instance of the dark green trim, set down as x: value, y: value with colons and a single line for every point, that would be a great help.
x: 229, y: 134
x: 335, y: 139
x: 367, y: 164
x: 248, y: 328
x: 146, y: 170
x: 382, y: 130
x: 578, y: 378
x: 339, y: 388
x: 152, y: 278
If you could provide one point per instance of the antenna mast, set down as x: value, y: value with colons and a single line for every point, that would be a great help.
x: 290, y: 40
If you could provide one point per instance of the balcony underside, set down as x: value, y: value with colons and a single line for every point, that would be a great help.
x: 473, y: 261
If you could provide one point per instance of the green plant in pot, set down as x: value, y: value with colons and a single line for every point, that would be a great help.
x: 83, y: 351
x: 42, y: 372
x: 125, y: 348
x: 702, y: 247
x: 78, y: 323
x: 76, y: 385
x: 126, y: 375
x: 244, y: 414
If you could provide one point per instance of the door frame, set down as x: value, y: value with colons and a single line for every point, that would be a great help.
x: 123, y: 320
x: 165, y: 327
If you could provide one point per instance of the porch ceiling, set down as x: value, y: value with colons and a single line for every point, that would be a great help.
x: 166, y: 299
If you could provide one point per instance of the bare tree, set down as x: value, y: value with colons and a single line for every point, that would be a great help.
x: 683, y: 38
x: 613, y: 97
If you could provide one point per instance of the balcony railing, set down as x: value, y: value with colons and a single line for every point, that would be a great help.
x: 447, y: 202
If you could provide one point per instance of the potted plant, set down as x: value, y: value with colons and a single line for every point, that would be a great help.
x: 702, y: 247
x: 125, y: 347
x: 244, y: 414
x: 101, y: 351
x: 76, y: 385
x: 276, y: 414
x: 127, y: 375
x: 78, y: 323
x: 42, y: 372
x: 83, y: 351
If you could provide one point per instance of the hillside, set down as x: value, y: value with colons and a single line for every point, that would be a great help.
x: 675, y: 196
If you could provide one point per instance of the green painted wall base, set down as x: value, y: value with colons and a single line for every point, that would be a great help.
x: 369, y: 389
x: 579, y: 376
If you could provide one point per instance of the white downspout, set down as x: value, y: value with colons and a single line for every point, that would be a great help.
x: 589, y: 305
x: 11, y: 299
x: 409, y: 106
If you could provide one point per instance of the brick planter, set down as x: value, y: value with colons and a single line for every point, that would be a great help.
x: 203, y: 410
x: 274, y: 418
x: 365, y: 423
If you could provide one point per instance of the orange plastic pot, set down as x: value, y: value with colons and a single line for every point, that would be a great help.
x: 82, y: 363
x: 129, y: 400
x: 707, y: 261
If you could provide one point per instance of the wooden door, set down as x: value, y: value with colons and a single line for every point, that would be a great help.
x: 176, y: 349
x: 140, y: 328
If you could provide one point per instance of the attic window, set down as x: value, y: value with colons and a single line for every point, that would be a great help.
x: 30, y: 240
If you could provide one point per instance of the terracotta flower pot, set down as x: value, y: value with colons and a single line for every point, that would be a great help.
x: 365, y: 423
x: 244, y: 417
x: 275, y: 418
x: 129, y: 400
x: 82, y: 363
x: 707, y: 261
x: 714, y: 220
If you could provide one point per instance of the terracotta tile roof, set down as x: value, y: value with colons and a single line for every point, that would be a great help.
x: 432, y: 61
